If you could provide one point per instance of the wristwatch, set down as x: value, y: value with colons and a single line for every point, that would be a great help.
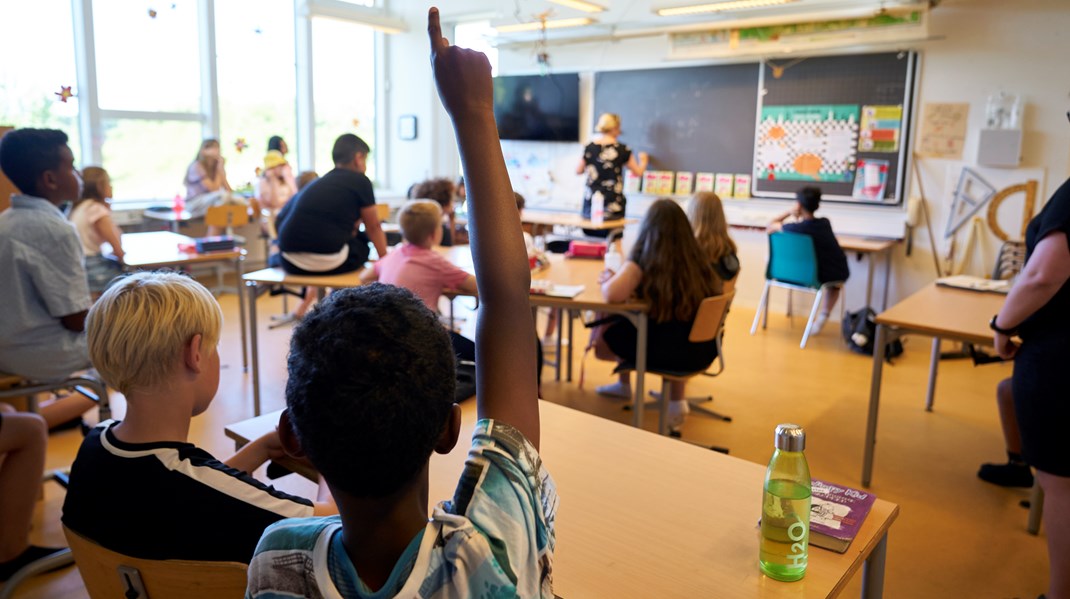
x: 992, y: 325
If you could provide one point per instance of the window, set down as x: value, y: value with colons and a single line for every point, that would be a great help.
x: 147, y: 159
x: 343, y: 85
x: 144, y: 62
x: 255, y: 67
x: 38, y: 50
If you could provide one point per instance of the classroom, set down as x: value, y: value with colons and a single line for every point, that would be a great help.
x: 272, y: 207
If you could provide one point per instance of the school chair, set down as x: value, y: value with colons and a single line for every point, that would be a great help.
x: 708, y: 326
x: 13, y: 386
x: 793, y: 266
x: 108, y: 574
x: 383, y: 210
x: 227, y: 217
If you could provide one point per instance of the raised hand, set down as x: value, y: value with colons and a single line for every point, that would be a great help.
x: 461, y: 75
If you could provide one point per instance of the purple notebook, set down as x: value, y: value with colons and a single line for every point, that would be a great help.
x: 836, y: 514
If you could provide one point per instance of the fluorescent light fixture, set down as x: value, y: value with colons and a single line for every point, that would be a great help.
x: 549, y: 24
x: 695, y: 9
x: 580, y: 5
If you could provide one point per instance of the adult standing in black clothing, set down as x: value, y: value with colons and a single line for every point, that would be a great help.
x: 603, y: 161
x: 319, y: 229
x: 1037, y: 311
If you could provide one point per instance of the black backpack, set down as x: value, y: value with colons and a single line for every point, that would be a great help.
x: 859, y: 331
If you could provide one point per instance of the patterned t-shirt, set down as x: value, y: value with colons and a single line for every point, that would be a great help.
x: 605, y: 177
x: 495, y: 539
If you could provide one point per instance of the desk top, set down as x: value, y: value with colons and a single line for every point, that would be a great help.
x: 160, y: 248
x: 946, y: 312
x: 277, y: 276
x: 168, y: 215
x: 571, y: 219
x: 864, y: 245
x: 562, y: 271
x: 640, y: 511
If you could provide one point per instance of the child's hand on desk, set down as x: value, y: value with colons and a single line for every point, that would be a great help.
x: 605, y: 275
x: 462, y: 75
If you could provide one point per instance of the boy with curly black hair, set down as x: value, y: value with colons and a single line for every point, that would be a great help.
x: 370, y: 396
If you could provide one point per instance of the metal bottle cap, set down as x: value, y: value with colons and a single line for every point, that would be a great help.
x: 790, y: 437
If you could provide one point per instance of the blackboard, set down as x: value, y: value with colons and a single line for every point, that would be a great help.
x: 883, y: 79
x: 698, y: 119
x: 704, y: 119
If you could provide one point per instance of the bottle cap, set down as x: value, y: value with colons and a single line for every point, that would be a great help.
x: 790, y: 437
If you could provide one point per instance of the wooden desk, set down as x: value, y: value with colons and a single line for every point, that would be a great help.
x: 871, y: 247
x: 160, y: 249
x: 277, y: 276
x: 647, y: 516
x: 172, y: 218
x: 580, y: 271
x: 548, y: 220
x: 943, y: 313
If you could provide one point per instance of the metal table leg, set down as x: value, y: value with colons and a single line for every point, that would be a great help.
x: 571, y: 343
x: 640, y: 369
x: 254, y: 347
x: 869, y: 279
x: 874, y: 404
x: 887, y: 277
x: 873, y: 571
x: 934, y: 363
x: 241, y: 311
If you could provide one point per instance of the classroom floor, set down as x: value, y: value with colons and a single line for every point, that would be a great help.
x: 956, y: 536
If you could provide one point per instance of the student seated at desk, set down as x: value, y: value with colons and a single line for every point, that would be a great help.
x: 706, y: 214
x: 831, y: 261
x: 442, y: 191
x: 138, y: 486
x: 667, y: 269
x: 44, y: 292
x: 371, y: 430
x: 91, y: 216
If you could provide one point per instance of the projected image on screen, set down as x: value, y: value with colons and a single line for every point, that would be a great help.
x: 538, y: 108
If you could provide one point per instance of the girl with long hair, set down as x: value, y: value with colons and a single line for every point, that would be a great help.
x: 706, y: 214
x: 666, y: 268
x: 92, y: 219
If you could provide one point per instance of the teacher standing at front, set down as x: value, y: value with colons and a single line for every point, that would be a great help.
x: 603, y: 161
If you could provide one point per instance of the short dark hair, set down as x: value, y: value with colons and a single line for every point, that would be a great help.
x: 371, y: 384
x: 275, y: 143
x: 26, y: 153
x: 346, y: 148
x: 809, y: 198
x: 440, y: 190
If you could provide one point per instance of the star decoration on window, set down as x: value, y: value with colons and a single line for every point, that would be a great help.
x: 64, y: 93
x: 240, y: 145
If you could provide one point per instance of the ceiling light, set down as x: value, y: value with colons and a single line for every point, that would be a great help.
x: 580, y: 5
x: 549, y: 24
x: 695, y: 9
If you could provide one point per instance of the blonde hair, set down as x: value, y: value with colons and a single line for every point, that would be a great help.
x: 706, y: 214
x: 607, y: 122
x: 137, y: 330
x: 419, y: 219
x: 93, y: 178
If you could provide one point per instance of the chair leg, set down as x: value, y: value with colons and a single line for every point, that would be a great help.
x: 1036, y: 508
x: 55, y: 561
x: 663, y: 406
x: 789, y: 303
x: 761, y: 307
x: 813, y: 314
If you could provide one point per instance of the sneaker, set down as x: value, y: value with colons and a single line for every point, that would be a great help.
x: 678, y: 411
x: 617, y: 389
x: 1006, y: 475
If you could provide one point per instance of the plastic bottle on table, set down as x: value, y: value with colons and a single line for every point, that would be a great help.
x: 598, y: 209
x: 786, y: 507
x: 614, y: 259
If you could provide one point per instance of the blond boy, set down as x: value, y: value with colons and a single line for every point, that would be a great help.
x: 138, y: 486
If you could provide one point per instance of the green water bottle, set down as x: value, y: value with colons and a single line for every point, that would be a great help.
x: 786, y: 507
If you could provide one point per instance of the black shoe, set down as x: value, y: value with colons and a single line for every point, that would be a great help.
x: 1007, y: 475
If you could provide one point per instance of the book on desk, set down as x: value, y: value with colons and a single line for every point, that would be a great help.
x: 544, y: 287
x: 836, y: 514
x: 972, y: 283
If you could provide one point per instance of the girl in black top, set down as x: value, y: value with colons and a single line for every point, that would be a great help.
x: 1038, y: 311
x: 603, y: 161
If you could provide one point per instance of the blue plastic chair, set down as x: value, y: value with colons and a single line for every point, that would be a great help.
x: 793, y: 266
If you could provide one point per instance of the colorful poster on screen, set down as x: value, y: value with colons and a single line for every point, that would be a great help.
x: 871, y: 180
x: 880, y: 128
x: 807, y: 143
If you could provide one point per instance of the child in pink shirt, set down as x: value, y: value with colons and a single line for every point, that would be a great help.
x: 414, y: 265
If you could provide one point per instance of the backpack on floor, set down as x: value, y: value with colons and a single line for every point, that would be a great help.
x: 860, y: 330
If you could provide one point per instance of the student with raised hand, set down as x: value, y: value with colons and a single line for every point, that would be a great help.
x: 153, y: 336
x: 371, y: 430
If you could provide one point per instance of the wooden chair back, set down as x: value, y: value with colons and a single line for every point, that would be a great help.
x: 383, y: 210
x: 108, y: 574
x: 234, y: 215
x: 710, y: 318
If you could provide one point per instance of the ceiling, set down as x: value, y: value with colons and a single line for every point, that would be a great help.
x: 622, y: 16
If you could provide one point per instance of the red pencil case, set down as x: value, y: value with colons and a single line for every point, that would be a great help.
x: 586, y: 249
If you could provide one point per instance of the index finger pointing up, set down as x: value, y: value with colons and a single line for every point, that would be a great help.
x: 434, y: 30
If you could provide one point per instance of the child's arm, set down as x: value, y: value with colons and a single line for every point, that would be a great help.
x: 373, y: 228
x: 268, y: 447
x: 107, y: 230
x: 371, y: 273
x: 506, y: 388
x: 639, y: 167
x: 617, y: 288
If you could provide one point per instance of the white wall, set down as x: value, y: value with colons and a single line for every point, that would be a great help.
x: 985, y: 46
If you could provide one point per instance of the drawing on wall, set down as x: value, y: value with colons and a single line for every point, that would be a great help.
x: 880, y: 128
x: 870, y: 180
x: 807, y: 143
x: 943, y: 130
